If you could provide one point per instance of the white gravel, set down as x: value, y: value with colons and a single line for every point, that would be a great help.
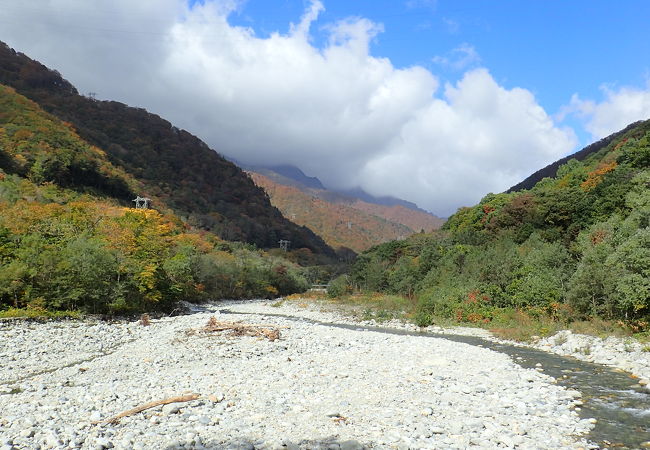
x: 316, y: 387
x: 622, y: 353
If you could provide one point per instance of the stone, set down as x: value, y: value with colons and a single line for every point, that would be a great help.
x: 574, y: 393
x: 350, y: 445
x: 216, y: 397
x: 189, y: 437
x: 102, y: 443
x: 204, y: 420
x: 170, y: 409
x: 52, y: 440
x: 27, y: 433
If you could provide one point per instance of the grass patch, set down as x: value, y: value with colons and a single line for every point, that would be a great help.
x: 309, y: 295
x: 600, y: 328
x: 522, y: 325
x: 561, y: 339
x: 38, y: 313
x: 376, y: 306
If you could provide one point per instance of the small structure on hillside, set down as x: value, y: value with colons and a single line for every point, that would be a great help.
x: 142, y: 202
x: 284, y: 244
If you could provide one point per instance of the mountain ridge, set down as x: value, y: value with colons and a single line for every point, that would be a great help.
x: 173, y: 165
x: 293, y: 176
x: 343, y: 221
x: 550, y: 170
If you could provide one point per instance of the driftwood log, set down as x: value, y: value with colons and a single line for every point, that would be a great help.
x: 138, y: 409
x: 269, y: 332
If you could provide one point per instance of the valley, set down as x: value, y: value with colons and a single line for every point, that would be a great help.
x: 521, y: 321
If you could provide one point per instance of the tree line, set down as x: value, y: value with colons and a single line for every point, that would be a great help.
x: 573, y: 246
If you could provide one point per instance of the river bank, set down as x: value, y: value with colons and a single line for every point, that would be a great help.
x: 315, y: 387
x: 621, y: 353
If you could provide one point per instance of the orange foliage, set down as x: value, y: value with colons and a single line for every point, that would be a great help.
x: 196, y: 240
x: 594, y: 177
x: 597, y: 237
x: 620, y: 144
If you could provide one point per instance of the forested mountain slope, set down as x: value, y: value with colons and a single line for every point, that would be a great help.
x: 416, y: 220
x: 551, y: 169
x: 573, y: 246
x: 67, y: 241
x: 35, y: 145
x: 173, y: 166
x: 342, y: 220
x: 342, y: 226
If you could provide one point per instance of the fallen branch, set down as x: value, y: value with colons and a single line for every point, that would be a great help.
x: 137, y: 409
x: 239, y: 329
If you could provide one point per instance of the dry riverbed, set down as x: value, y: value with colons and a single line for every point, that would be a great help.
x: 314, y: 387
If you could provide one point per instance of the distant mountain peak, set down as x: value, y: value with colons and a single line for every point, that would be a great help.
x: 343, y: 220
x: 290, y: 175
x: 285, y: 174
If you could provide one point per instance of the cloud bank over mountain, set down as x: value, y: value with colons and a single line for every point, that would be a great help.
x: 621, y: 107
x: 334, y: 110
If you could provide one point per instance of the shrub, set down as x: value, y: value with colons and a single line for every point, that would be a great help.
x: 338, y: 287
x: 423, y: 318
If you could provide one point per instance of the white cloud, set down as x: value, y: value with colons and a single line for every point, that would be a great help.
x: 460, y: 58
x: 337, y: 112
x: 619, y: 108
x: 477, y: 138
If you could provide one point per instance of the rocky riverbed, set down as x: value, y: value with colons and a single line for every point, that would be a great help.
x: 622, y: 353
x: 315, y: 387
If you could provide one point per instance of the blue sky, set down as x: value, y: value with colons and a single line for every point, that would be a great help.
x: 553, y: 48
x: 438, y: 102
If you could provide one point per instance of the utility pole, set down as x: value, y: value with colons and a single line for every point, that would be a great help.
x: 284, y: 244
x: 141, y: 202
